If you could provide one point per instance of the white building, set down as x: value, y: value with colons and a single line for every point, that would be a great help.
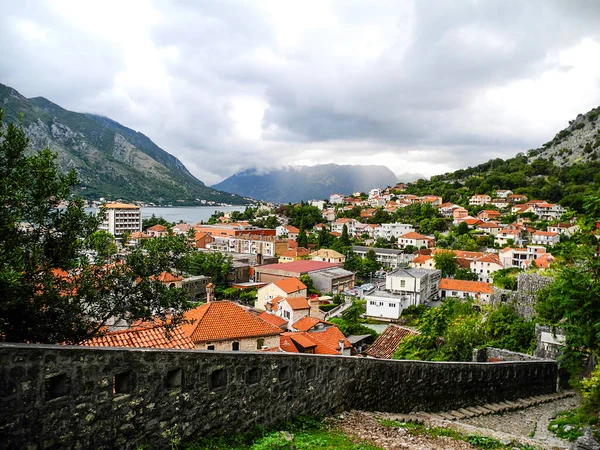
x: 388, y: 257
x: 520, y: 257
x: 480, y: 200
x: 415, y: 239
x: 548, y: 211
x: 318, y: 203
x: 336, y: 199
x: 485, y: 266
x: 338, y: 226
x: 464, y: 289
x: 386, y: 306
x: 566, y: 228
x: 387, y: 230
x: 545, y: 238
x: 414, y: 285
x: 503, y: 193
x: 121, y: 218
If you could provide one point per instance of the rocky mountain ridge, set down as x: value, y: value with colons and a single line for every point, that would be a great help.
x: 112, y: 161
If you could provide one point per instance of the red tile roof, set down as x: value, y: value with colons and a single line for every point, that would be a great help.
x: 297, y: 303
x: 166, y: 277
x: 290, y: 285
x: 279, y: 322
x: 158, y: 228
x: 142, y: 337
x: 480, y: 287
x: 387, y: 343
x: 224, y: 320
x: 413, y: 235
x: 306, y: 323
x: 326, y: 342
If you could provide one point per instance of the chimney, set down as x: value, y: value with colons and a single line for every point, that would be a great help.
x: 210, y: 293
x: 341, y: 343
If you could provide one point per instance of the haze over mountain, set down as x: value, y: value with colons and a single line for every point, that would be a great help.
x: 112, y: 161
x: 296, y: 183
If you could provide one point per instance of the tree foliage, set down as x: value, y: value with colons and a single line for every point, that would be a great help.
x: 211, y: 264
x: 50, y: 292
x: 446, y: 262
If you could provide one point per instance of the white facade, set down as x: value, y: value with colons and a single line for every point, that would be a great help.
x: 122, y: 218
x: 388, y: 230
x: 318, y: 203
x: 485, y: 267
x: 383, y: 306
x: 548, y: 211
x: 545, y: 238
x: 480, y: 200
x: 414, y: 286
x: 338, y: 226
x: 336, y: 199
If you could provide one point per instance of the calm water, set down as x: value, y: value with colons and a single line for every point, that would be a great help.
x: 189, y: 214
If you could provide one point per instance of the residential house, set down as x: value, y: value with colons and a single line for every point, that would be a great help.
x: 488, y: 214
x: 500, y: 203
x: 157, y: 231
x: 328, y: 255
x: 519, y: 208
x: 423, y: 262
x: 294, y: 254
x: 274, y: 319
x: 328, y: 215
x: 544, y: 261
x: 326, y: 277
x: 433, y: 200
x: 517, y: 198
x: 292, y: 309
x: 416, y: 285
x: 396, y: 230
x: 387, y: 257
x: 508, y: 237
x: 388, y: 342
x: 142, y: 336
x: 463, y: 289
x: 202, y: 240
x: 224, y: 325
x: 416, y: 240
x: 288, y: 231
x: 334, y: 280
x: 288, y: 287
x: 459, y: 214
x: 472, y: 222
x: 309, y: 323
x: 317, y: 203
x: 447, y: 209
x: 336, y: 199
x: 330, y: 341
x: 548, y: 211
x: 566, y: 228
x: 338, y: 226
x: 549, y: 238
x: 485, y: 266
x: 234, y: 230
x: 480, y: 200
x: 520, y: 257
x: 503, y: 193
x: 490, y: 228
x: 137, y: 236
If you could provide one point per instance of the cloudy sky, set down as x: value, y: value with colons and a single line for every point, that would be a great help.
x: 419, y: 86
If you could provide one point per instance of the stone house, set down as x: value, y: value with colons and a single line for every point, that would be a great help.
x: 289, y: 287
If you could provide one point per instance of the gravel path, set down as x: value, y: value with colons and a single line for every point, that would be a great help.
x: 532, y: 422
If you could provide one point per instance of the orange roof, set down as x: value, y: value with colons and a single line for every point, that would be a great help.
x: 297, y: 303
x: 166, y: 277
x: 326, y: 342
x: 118, y: 205
x: 150, y: 337
x: 472, y: 221
x: 295, y: 252
x: 158, y: 227
x: 291, y: 229
x: 139, y: 235
x: 272, y: 319
x: 306, y: 323
x: 545, y: 233
x: 289, y: 285
x: 421, y: 259
x: 413, y: 235
x: 275, y: 302
x: 465, y: 286
x: 490, y: 258
x: 224, y: 320
x: 544, y: 260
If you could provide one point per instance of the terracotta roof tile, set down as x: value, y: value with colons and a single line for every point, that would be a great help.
x: 143, y: 337
x: 413, y: 235
x: 306, y: 323
x: 289, y: 285
x: 273, y: 319
x: 297, y: 303
x: 223, y: 320
x: 465, y: 286
x: 387, y: 343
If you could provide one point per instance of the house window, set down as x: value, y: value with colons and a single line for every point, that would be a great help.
x: 286, y: 314
x: 260, y: 343
x: 235, y: 346
x: 210, y: 347
x: 392, y: 305
x: 402, y: 283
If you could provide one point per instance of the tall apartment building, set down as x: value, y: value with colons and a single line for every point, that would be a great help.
x: 122, y: 218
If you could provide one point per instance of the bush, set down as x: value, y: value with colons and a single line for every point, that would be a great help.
x: 327, y: 308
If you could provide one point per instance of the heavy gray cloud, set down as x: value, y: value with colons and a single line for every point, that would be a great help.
x: 423, y: 86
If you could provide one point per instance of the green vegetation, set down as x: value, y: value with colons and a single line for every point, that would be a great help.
x: 452, y: 331
x: 41, y: 250
x: 151, y: 221
x: 302, y: 434
x: 476, y: 440
x: 350, y: 323
x: 211, y: 264
x: 569, y: 424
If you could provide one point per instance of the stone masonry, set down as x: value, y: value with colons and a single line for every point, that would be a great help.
x: 79, y: 397
x: 524, y: 298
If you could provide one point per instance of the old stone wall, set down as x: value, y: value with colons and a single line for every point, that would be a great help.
x: 524, y: 298
x: 493, y: 354
x: 79, y: 397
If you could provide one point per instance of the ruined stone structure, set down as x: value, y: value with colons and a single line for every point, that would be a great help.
x: 101, y: 398
x: 524, y: 298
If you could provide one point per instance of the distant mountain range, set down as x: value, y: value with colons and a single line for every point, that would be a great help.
x: 296, y: 183
x: 112, y: 161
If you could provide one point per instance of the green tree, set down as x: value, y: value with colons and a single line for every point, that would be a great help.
x: 103, y: 243
x: 345, y: 239
x: 302, y: 239
x: 50, y: 293
x: 308, y: 282
x: 153, y: 220
x: 462, y: 228
x: 465, y: 274
x: 323, y: 240
x: 446, y: 262
x: 215, y: 265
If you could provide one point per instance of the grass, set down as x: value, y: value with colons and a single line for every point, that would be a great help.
x: 307, y: 433
x: 569, y: 424
x: 478, y: 441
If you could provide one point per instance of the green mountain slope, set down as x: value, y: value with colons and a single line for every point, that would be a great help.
x: 112, y: 161
x: 564, y: 170
x: 296, y: 183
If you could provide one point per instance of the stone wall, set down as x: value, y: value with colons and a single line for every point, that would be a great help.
x: 524, y: 298
x: 79, y: 397
x: 493, y: 354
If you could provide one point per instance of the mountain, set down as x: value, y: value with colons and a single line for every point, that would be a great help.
x: 578, y: 143
x: 296, y: 183
x: 112, y: 161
